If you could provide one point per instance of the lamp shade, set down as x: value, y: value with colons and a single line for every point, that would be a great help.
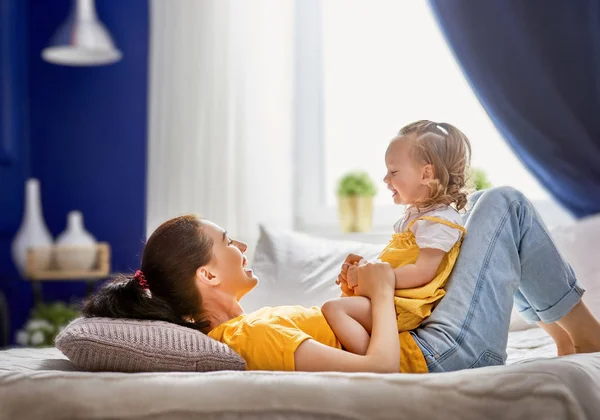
x: 82, y: 40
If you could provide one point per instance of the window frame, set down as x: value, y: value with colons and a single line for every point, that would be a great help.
x: 311, y: 213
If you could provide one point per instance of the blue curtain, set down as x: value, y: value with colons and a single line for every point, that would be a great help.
x: 535, y: 67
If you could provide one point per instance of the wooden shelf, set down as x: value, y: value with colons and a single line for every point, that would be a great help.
x: 44, y: 275
x: 33, y: 272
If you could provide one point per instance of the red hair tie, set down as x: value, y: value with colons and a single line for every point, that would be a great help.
x: 141, y: 279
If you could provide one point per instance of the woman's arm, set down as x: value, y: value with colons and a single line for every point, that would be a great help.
x: 375, y: 281
x: 422, y: 271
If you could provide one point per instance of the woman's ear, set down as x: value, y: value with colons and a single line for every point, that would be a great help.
x: 428, y: 174
x: 206, y: 276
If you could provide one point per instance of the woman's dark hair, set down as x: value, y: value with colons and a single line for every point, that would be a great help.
x: 169, y: 262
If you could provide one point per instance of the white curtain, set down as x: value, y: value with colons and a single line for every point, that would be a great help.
x: 220, y: 118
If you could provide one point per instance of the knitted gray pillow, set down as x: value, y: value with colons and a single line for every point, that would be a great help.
x: 129, y: 345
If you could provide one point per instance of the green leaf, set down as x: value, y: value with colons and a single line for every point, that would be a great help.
x: 478, y: 179
x: 356, y: 184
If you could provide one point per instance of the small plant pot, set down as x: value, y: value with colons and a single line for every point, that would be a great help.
x: 355, y: 213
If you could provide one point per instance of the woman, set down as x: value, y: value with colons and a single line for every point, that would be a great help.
x: 193, y: 274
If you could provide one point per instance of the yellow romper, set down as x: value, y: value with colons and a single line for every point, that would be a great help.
x: 415, y: 304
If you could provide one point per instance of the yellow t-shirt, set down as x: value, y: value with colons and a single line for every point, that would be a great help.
x: 268, y: 338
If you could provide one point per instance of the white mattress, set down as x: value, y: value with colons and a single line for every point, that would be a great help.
x: 41, y: 383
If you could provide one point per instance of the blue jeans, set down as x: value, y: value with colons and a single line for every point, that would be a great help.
x: 507, y: 255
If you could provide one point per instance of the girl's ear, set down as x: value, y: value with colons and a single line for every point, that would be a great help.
x: 428, y: 174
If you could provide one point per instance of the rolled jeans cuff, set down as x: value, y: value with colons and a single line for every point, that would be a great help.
x: 556, y: 311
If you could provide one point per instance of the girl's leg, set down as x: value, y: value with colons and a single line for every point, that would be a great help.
x: 506, y: 248
x: 350, y: 320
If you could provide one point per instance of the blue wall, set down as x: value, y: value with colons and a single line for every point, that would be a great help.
x: 14, y: 144
x: 84, y: 138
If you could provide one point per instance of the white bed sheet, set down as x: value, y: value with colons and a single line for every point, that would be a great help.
x: 41, y: 383
x: 529, y: 344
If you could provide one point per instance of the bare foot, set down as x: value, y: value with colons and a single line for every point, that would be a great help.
x: 564, y: 344
x: 587, y: 346
x: 565, y: 349
x: 583, y: 328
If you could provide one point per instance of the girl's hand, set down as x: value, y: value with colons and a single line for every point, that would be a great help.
x: 346, y: 291
x: 352, y: 277
x: 375, y: 280
x: 342, y: 279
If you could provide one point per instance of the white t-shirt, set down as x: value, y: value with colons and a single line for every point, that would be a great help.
x: 430, y: 234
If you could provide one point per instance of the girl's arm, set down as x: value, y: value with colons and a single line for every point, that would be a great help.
x: 383, y: 354
x: 422, y: 271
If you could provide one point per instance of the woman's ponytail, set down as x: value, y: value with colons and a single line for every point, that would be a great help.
x: 124, y: 297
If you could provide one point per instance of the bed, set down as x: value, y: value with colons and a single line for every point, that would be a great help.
x: 43, y: 383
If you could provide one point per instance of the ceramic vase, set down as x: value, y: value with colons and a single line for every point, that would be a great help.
x: 75, y: 247
x: 33, y: 232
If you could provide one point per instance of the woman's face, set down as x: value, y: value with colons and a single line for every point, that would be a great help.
x: 229, y: 263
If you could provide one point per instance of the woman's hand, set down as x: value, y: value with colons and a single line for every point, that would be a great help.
x: 375, y: 280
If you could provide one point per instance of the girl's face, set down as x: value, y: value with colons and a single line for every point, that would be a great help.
x: 406, y: 178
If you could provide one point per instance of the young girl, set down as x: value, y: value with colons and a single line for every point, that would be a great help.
x: 426, y: 170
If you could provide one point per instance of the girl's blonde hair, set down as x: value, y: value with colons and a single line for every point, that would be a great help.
x: 448, y: 150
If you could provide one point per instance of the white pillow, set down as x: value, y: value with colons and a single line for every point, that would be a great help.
x: 298, y: 269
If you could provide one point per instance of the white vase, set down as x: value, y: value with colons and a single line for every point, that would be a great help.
x: 33, y: 232
x: 75, y: 247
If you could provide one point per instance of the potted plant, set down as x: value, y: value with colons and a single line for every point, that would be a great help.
x: 478, y: 179
x: 355, y: 202
x: 45, y: 322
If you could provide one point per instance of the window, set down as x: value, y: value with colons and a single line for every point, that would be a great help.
x: 384, y: 64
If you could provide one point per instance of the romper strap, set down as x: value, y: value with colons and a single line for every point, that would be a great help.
x: 438, y: 220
